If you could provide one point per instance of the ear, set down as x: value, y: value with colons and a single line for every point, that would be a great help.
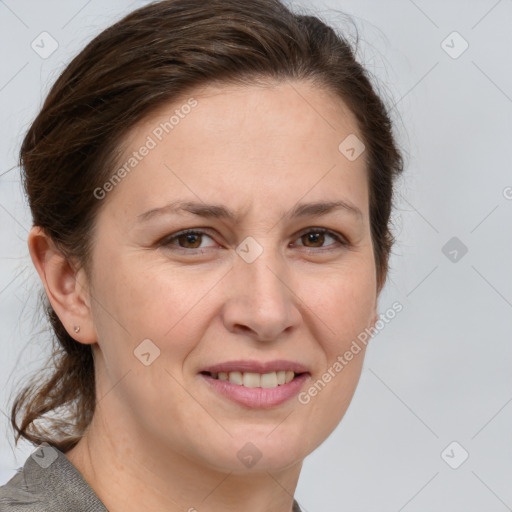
x: 67, y: 289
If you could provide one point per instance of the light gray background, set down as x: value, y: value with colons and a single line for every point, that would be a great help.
x: 441, y: 370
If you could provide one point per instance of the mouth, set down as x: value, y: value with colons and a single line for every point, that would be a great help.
x: 256, y: 384
x: 255, y: 380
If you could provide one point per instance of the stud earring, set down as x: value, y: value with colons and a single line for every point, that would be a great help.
x: 77, y: 328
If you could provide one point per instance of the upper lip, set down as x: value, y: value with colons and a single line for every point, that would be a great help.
x: 256, y: 366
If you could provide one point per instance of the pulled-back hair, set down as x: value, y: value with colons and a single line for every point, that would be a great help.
x: 150, y: 58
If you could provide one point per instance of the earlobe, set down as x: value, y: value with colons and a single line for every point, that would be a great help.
x: 65, y: 291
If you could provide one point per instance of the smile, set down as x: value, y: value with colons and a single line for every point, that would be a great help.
x: 255, y: 380
x: 249, y: 389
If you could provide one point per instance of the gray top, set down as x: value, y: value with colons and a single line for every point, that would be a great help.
x: 50, y: 482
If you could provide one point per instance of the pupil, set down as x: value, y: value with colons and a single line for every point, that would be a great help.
x: 190, y: 239
x: 314, y: 237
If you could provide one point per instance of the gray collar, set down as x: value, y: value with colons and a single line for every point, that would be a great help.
x: 48, y: 480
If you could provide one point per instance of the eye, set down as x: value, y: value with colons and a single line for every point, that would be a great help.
x: 317, y: 236
x: 190, y: 239
x: 187, y: 240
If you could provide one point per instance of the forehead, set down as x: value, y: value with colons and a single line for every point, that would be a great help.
x: 239, y: 144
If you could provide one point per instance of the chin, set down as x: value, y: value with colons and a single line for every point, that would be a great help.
x: 260, y: 452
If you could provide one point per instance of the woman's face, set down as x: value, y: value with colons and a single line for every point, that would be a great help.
x: 260, y: 287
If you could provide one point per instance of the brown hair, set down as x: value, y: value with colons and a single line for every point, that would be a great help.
x: 147, y: 59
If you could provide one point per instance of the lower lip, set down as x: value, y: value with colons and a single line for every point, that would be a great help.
x: 257, y: 398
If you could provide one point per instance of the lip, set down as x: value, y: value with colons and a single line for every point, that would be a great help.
x: 257, y: 366
x: 256, y: 398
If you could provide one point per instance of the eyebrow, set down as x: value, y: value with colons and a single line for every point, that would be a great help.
x: 221, y: 212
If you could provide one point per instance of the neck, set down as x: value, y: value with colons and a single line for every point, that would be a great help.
x: 129, y: 471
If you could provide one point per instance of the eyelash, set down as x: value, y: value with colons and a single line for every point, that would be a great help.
x: 167, y: 241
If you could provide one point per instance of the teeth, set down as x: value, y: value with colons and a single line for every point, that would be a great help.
x: 256, y: 380
x: 235, y: 378
x: 252, y: 380
x: 269, y: 380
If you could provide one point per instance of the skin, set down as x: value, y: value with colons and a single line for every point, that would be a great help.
x: 160, y: 438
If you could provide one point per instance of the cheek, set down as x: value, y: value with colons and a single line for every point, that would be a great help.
x: 327, y: 399
x: 345, y: 308
x: 343, y: 303
x: 155, y: 304
x: 163, y: 304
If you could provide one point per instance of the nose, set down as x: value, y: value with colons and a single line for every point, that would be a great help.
x: 262, y: 302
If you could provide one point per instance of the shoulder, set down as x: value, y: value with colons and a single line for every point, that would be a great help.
x: 18, y: 496
x: 48, y: 481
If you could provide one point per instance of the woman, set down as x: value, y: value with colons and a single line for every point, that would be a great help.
x: 211, y: 187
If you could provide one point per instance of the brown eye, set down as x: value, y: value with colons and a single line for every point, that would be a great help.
x: 194, y: 239
x: 185, y: 240
x: 315, y: 239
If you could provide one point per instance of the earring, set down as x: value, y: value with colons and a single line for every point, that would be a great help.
x: 77, y: 328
